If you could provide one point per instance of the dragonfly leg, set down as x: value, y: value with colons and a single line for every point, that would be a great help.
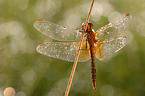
x: 86, y: 43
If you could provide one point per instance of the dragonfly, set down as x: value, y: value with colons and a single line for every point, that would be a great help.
x: 102, y: 44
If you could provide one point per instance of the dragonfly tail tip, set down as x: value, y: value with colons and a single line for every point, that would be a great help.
x: 94, y: 88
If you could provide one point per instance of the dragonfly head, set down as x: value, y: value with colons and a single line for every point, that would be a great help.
x: 89, y: 27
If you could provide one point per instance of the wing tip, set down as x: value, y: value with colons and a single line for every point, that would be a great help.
x: 40, y: 21
x: 36, y: 23
x: 127, y: 14
x: 41, y: 44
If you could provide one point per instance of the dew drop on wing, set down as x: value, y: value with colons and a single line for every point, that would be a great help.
x: 71, y: 49
x: 109, y: 24
x: 107, y: 32
x: 116, y: 27
x: 57, y: 56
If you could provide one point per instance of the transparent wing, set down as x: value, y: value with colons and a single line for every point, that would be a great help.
x: 64, y: 51
x: 57, y: 32
x: 114, y: 29
x: 106, y: 49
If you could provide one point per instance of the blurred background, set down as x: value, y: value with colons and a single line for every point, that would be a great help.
x: 33, y: 74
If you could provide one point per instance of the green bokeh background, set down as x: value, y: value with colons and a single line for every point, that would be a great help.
x: 33, y: 74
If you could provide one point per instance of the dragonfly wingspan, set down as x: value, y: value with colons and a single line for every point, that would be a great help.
x: 106, y: 49
x: 57, y: 32
x: 114, y: 29
x: 63, y: 51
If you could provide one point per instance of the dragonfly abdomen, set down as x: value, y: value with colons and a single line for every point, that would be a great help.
x: 93, y: 68
x: 91, y: 41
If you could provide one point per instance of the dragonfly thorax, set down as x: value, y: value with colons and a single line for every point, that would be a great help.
x: 89, y: 27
